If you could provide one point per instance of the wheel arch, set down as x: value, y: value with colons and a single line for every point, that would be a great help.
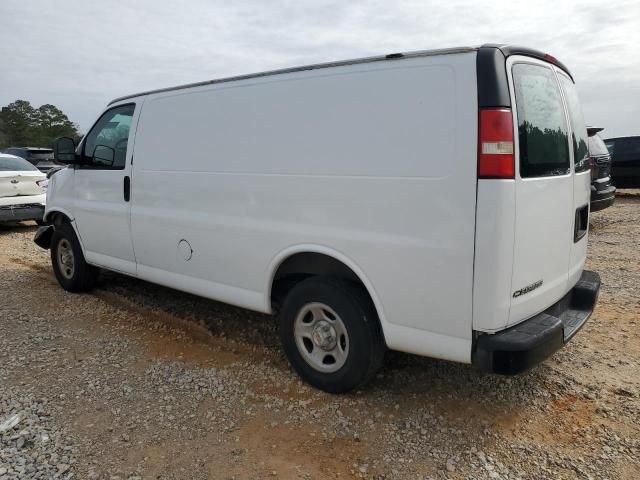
x: 336, y: 263
x: 65, y: 217
x: 58, y: 213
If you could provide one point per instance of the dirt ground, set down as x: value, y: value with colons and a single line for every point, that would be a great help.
x: 138, y: 381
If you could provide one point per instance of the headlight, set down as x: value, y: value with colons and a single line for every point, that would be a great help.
x: 43, y: 183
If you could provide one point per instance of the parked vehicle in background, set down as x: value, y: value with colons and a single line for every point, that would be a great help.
x: 42, y: 158
x: 433, y: 202
x: 22, y: 190
x: 625, y: 161
x: 53, y: 170
x: 603, y: 193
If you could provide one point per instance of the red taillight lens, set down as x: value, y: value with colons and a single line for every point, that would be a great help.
x: 495, y: 144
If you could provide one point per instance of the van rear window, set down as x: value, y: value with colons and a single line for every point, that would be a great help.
x: 579, y: 135
x: 542, y: 129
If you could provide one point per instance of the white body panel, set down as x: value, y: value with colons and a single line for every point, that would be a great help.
x: 581, y: 196
x: 61, y: 193
x: 495, y: 231
x: 349, y: 161
x: 373, y: 164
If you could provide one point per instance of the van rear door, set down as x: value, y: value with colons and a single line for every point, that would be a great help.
x: 551, y: 204
x: 581, y: 176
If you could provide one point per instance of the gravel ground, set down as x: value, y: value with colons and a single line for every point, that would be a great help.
x: 138, y: 381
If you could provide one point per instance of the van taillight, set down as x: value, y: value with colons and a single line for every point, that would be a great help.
x: 495, y: 143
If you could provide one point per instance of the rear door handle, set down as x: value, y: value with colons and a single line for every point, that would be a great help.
x: 127, y: 188
x: 581, y: 223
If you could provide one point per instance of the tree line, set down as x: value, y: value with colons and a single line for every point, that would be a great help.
x: 22, y: 125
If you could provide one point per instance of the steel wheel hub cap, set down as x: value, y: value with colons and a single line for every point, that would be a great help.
x: 65, y: 258
x: 324, y: 335
x: 321, y: 337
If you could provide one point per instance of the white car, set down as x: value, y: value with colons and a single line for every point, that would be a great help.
x: 427, y: 202
x: 22, y: 190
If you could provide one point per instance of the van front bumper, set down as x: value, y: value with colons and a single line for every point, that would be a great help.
x: 522, y: 346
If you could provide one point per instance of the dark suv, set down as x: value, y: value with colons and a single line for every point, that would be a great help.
x: 42, y: 158
x: 603, y: 193
x: 625, y: 161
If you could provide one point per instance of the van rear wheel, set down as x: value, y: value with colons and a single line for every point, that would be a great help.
x: 331, y: 334
x: 73, y: 273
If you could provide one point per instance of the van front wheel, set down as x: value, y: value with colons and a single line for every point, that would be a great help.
x: 73, y: 273
x: 331, y: 334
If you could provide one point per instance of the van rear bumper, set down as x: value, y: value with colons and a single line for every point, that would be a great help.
x: 522, y: 346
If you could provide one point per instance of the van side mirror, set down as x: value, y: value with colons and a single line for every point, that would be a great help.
x: 64, y: 150
x: 103, y: 155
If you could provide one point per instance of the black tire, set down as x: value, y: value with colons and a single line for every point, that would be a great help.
x: 356, y: 313
x: 81, y: 276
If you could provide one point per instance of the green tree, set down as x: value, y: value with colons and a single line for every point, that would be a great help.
x: 4, y: 138
x: 18, y: 121
x: 22, y: 125
x: 53, y: 123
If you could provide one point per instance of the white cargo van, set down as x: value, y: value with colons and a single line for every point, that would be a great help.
x: 434, y: 202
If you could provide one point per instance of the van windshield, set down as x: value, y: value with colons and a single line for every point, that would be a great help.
x: 542, y: 129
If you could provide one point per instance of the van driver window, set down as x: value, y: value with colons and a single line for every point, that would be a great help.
x: 106, y: 144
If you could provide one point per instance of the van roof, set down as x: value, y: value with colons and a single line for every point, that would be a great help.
x: 506, y: 50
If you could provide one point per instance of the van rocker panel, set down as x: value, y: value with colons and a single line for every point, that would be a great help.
x: 522, y: 346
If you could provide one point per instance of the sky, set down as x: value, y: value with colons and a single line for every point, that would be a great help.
x: 79, y: 54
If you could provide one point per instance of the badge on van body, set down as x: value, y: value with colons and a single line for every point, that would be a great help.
x: 527, y: 289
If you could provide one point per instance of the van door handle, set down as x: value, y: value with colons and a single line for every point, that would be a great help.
x: 127, y: 188
x: 581, y: 223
